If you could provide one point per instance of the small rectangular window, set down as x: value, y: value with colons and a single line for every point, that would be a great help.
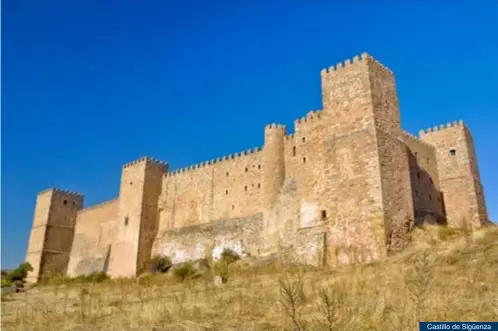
x: 453, y: 152
x: 324, y: 214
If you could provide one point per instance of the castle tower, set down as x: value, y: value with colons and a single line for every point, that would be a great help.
x: 52, y: 232
x: 273, y: 163
x: 141, y: 182
x: 459, y: 177
x: 367, y: 163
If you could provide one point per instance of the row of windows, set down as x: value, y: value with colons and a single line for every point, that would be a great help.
x: 245, y: 188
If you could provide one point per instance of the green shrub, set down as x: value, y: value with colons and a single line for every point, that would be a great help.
x: 185, y: 271
x: 229, y: 256
x: 220, y: 268
x: 98, y: 277
x: 159, y: 263
x: 20, y: 273
x: 6, y: 282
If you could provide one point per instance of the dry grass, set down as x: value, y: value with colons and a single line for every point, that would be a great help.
x: 451, y: 281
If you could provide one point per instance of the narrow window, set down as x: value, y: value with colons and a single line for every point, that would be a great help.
x: 227, y: 173
x: 304, y: 139
x: 131, y: 183
x: 430, y: 180
x: 453, y: 152
x: 226, y: 192
x: 324, y: 214
x: 245, y: 188
x: 418, y: 174
x: 430, y: 197
x: 126, y: 220
x: 74, y: 203
x: 233, y: 207
x: 304, y: 160
x: 259, y: 166
x: 247, y: 169
x: 64, y: 202
x: 259, y: 185
x: 294, y: 151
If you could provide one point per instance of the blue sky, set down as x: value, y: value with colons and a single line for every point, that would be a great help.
x: 90, y: 85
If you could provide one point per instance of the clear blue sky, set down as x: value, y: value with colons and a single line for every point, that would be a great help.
x: 90, y: 85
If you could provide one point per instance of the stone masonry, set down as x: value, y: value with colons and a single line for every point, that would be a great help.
x: 347, y: 184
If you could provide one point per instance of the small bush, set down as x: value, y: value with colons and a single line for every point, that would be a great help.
x: 98, y: 277
x: 220, y: 268
x: 229, y: 256
x: 56, y: 279
x: 20, y: 273
x: 159, y: 263
x: 185, y: 271
x: 6, y: 282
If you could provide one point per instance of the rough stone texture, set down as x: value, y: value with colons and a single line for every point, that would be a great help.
x: 458, y: 174
x: 93, y: 236
x: 209, y: 240
x: 52, y: 233
x: 346, y: 186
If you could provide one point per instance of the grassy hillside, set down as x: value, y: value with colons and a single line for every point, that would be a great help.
x: 447, y: 277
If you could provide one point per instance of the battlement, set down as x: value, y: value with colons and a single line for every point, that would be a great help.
x: 351, y: 64
x: 146, y: 159
x: 218, y: 160
x: 275, y: 127
x: 414, y: 138
x: 449, y: 125
x: 289, y: 137
x: 311, y: 117
x: 61, y: 191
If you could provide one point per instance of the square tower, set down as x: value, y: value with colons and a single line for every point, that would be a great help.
x: 52, y: 232
x: 460, y: 181
x: 137, y: 224
x: 368, y: 178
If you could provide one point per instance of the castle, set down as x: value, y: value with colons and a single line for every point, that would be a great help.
x: 348, y: 179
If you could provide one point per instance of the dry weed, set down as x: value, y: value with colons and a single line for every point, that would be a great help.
x: 455, y: 281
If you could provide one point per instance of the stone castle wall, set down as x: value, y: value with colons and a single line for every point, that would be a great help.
x: 93, y: 235
x: 347, y: 179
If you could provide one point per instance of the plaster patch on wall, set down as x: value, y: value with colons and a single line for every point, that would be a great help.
x: 220, y: 247
x: 308, y: 213
x: 210, y: 239
x: 179, y: 255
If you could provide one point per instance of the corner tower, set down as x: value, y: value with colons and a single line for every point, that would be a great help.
x: 273, y: 163
x: 52, y: 232
x: 137, y: 218
x: 459, y: 176
x: 366, y: 160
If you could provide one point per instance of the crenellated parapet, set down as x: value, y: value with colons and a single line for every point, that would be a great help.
x: 352, y: 64
x: 147, y: 160
x: 416, y: 139
x: 275, y: 127
x: 61, y: 191
x: 309, y: 120
x: 449, y: 125
x: 219, y: 160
